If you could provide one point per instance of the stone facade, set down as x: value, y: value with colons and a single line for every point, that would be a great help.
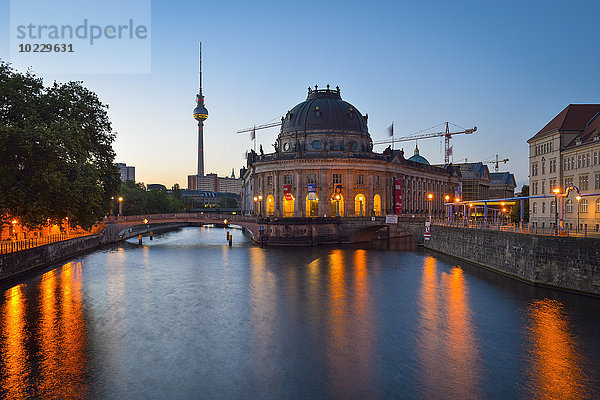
x: 324, y: 165
x: 564, y: 154
x: 571, y: 263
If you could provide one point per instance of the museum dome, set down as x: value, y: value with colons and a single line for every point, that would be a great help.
x: 418, y: 158
x: 324, y: 122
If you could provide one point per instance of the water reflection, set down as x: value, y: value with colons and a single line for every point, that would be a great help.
x: 557, y: 366
x: 14, y: 354
x: 59, y: 335
x: 449, y: 357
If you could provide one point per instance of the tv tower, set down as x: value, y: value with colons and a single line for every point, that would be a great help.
x: 200, y: 114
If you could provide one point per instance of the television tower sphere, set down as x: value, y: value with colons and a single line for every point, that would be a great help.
x: 200, y: 113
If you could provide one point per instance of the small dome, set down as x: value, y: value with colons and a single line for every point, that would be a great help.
x: 418, y: 158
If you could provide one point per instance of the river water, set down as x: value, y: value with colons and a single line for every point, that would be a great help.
x: 187, y: 317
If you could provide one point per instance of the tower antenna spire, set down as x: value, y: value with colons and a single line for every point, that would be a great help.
x: 200, y: 115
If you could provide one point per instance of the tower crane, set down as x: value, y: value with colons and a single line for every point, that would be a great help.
x: 256, y: 128
x: 496, y: 162
x: 446, y: 134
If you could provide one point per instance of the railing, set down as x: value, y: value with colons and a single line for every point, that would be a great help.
x: 24, y: 244
x: 527, y: 229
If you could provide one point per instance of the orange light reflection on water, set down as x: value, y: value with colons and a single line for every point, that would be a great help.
x: 557, y: 371
x: 447, y: 345
x: 14, y: 353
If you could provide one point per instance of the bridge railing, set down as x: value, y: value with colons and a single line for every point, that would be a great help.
x: 24, y: 244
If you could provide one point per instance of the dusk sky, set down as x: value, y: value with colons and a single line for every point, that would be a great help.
x: 506, y: 67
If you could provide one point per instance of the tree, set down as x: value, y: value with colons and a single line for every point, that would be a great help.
x: 137, y: 200
x: 515, y: 215
x: 228, y: 202
x: 56, y: 156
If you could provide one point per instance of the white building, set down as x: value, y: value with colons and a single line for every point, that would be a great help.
x: 127, y: 172
x: 563, y: 154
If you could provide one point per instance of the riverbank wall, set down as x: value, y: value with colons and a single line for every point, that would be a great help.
x: 570, y: 263
x: 20, y: 262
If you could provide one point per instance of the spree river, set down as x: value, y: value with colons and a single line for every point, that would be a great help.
x: 187, y: 317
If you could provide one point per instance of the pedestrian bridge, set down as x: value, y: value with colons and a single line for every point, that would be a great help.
x: 276, y: 231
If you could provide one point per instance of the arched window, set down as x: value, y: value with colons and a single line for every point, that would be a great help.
x: 288, y: 207
x: 337, y: 205
x: 377, y: 205
x: 359, y: 205
x: 270, y: 205
x: 535, y: 208
x: 312, y: 206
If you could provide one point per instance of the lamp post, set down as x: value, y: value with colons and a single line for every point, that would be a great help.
x: 260, y: 205
x: 120, y: 206
x: 471, y: 211
x: 447, y: 198
x: 337, y: 205
x: 255, y: 201
x: 456, y: 200
x: 430, y: 199
x: 578, y: 197
x: 556, y: 191
x: 360, y: 204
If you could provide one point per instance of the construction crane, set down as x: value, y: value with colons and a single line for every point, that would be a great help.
x: 446, y: 134
x: 496, y: 162
x: 256, y: 128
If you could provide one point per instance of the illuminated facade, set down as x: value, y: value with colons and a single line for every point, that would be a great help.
x: 566, y: 153
x: 324, y: 165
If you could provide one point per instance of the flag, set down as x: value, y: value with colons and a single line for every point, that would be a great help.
x: 449, y: 151
x: 390, y: 129
x: 253, y: 134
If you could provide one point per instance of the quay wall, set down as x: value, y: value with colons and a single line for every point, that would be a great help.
x: 571, y: 263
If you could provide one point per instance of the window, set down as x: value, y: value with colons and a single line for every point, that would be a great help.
x: 552, y: 207
x: 288, y: 180
x: 270, y: 180
x: 312, y: 178
x: 565, y: 167
x: 587, y: 158
x: 579, y: 161
x: 568, y: 182
x: 543, y: 207
x: 360, y: 179
x: 543, y: 168
x: 543, y: 187
x: 598, y: 206
x: 595, y: 158
x: 569, y: 206
x: 337, y: 178
x: 583, y: 182
x: 376, y: 180
x: 535, y: 208
x: 583, y: 205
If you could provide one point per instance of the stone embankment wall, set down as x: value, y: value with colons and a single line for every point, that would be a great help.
x: 571, y: 263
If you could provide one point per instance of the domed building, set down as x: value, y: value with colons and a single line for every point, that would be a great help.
x: 324, y: 165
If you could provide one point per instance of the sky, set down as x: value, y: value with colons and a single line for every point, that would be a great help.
x: 506, y: 67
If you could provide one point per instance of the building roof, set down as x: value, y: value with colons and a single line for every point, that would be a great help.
x: 503, y: 178
x: 418, y: 158
x: 573, y: 118
x: 475, y: 171
x: 322, y: 111
x: 590, y: 134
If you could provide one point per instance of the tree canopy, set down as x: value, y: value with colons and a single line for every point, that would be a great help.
x: 56, y: 156
x: 137, y: 200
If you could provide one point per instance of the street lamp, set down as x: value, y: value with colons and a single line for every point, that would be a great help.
x: 255, y: 200
x: 430, y: 199
x: 260, y: 205
x: 578, y: 197
x: 556, y: 191
x: 447, y: 198
x: 360, y: 204
x: 337, y: 205
x: 120, y: 206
